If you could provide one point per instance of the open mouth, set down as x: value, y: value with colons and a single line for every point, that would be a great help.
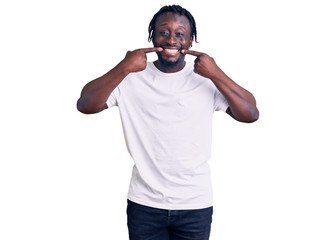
x: 171, y: 51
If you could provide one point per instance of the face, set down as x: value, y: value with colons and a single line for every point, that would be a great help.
x: 172, y: 33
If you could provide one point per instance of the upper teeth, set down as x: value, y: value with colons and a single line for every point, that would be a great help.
x: 171, y: 50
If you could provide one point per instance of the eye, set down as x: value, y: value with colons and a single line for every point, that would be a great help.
x: 179, y: 34
x: 164, y: 33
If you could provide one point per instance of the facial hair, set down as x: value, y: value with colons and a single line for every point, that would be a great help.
x: 165, y: 63
x: 169, y: 64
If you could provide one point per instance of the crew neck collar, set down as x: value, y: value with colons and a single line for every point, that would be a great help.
x: 152, y: 66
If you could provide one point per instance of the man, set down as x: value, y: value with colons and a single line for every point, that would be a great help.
x: 166, y: 109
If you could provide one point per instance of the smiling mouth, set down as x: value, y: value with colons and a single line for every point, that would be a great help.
x: 171, y: 51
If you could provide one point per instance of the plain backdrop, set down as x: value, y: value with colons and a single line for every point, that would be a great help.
x: 65, y: 175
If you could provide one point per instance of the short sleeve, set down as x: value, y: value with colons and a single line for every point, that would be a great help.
x: 113, y: 98
x: 220, y: 103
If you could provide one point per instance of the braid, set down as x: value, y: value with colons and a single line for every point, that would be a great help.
x: 175, y: 9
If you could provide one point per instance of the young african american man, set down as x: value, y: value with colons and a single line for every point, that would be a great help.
x: 166, y: 108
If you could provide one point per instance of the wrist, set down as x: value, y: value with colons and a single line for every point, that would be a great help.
x: 124, y: 67
x: 218, y: 75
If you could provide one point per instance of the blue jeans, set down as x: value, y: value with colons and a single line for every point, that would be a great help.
x: 147, y: 223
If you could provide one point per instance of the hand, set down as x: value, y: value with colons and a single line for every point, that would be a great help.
x: 137, y: 60
x: 204, y: 64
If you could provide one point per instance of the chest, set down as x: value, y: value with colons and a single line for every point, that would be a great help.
x: 173, y: 100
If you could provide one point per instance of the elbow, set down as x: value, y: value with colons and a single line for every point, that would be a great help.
x: 253, y: 116
x: 81, y: 107
x: 249, y: 116
x: 86, y: 108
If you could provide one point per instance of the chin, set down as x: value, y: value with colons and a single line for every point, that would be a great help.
x: 170, y: 63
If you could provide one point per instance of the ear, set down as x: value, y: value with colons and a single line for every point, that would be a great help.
x: 190, y: 41
x: 152, y: 38
x: 153, y: 41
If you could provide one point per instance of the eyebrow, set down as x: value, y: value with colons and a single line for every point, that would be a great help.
x: 164, y: 24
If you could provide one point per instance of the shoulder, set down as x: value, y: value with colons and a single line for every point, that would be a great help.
x: 197, y: 78
x: 137, y: 80
x: 148, y: 71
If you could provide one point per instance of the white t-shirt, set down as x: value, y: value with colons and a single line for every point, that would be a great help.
x: 167, y: 122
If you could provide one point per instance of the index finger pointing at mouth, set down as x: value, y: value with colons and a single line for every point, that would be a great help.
x: 191, y: 52
x: 154, y: 49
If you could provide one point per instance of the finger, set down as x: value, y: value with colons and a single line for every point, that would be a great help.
x: 191, y: 52
x: 154, y: 49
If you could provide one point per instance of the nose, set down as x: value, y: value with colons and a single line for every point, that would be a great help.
x: 172, y: 39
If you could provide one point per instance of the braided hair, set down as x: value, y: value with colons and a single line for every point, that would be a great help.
x: 174, y: 9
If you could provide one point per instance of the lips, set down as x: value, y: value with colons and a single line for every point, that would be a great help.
x: 171, y: 51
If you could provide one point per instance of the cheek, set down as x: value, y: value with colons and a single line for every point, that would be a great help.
x: 155, y: 42
x: 183, y: 41
x: 158, y: 40
x: 186, y: 44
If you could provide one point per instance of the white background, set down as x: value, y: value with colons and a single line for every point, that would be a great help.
x: 65, y: 175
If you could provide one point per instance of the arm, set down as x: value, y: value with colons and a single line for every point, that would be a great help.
x: 95, y: 94
x: 242, y: 104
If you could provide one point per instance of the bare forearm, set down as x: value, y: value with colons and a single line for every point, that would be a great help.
x: 95, y: 93
x: 241, y: 102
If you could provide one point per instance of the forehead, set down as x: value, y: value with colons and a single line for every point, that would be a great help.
x: 171, y: 18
